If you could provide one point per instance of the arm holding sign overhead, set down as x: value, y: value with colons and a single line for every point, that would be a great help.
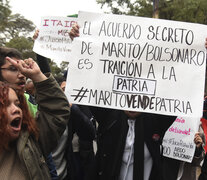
x: 190, y: 169
x: 74, y: 31
x: 200, y: 152
x: 174, y: 169
x: 112, y: 140
x: 113, y: 124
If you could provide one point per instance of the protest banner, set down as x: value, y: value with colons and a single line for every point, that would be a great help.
x: 138, y: 64
x: 54, y: 41
x: 178, y: 142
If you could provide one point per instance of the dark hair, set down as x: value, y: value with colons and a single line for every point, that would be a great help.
x: 28, y: 122
x: 205, y: 108
x: 8, y: 52
x: 205, y: 104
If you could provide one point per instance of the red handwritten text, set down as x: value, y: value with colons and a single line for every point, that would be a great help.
x: 55, y: 22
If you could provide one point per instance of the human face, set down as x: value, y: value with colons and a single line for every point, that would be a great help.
x: 132, y: 114
x: 12, y: 76
x: 30, y: 89
x: 63, y: 84
x: 14, y: 113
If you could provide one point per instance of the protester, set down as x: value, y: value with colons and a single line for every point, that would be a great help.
x: 179, y: 170
x: 128, y: 143
x: 30, y: 96
x: 25, y: 142
x: 82, y: 157
x: 123, y: 160
x: 204, y: 120
x: 203, y: 175
x: 71, y: 163
x: 78, y: 146
x: 17, y: 80
x: 29, y: 88
x: 60, y: 172
x: 12, y: 76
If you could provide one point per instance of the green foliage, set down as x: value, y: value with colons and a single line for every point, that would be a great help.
x: 64, y: 66
x: 179, y: 10
x: 56, y: 71
x: 15, y: 32
x: 24, y: 45
x: 12, y: 25
x: 133, y: 7
x: 184, y: 10
x: 4, y: 14
x: 18, y: 25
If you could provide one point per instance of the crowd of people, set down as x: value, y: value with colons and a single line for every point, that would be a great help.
x: 43, y: 136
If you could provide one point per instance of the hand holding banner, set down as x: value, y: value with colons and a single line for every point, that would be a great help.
x: 138, y: 64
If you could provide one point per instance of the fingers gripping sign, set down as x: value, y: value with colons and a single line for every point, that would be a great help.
x: 36, y: 34
x: 74, y: 31
x: 198, y: 140
x: 206, y: 43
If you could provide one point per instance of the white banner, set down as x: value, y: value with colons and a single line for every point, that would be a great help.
x: 54, y: 41
x: 178, y: 142
x: 138, y: 64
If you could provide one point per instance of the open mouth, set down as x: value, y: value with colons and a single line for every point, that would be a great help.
x: 21, y: 83
x: 15, y: 123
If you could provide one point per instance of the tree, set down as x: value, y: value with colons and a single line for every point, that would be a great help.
x: 4, y: 13
x: 15, y: 30
x: 24, y: 45
x: 12, y: 25
x: 135, y: 8
x: 56, y: 71
x: 179, y: 10
x: 64, y: 66
x: 184, y: 10
x: 17, y: 26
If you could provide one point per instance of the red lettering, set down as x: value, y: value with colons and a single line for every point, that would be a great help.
x: 54, y: 21
x: 59, y: 23
x: 46, y: 20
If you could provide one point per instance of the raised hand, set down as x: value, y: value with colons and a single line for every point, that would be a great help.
x: 74, y: 31
x: 206, y: 43
x: 198, y: 140
x: 29, y: 68
x: 36, y: 34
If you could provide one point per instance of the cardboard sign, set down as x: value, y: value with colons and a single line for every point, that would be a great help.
x: 138, y: 64
x: 54, y: 41
x: 178, y: 142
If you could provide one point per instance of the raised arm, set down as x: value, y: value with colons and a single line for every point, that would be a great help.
x: 53, y: 106
x: 74, y: 31
x: 29, y: 68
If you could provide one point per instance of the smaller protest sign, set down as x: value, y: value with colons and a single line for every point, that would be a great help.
x: 178, y: 142
x: 54, y: 41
